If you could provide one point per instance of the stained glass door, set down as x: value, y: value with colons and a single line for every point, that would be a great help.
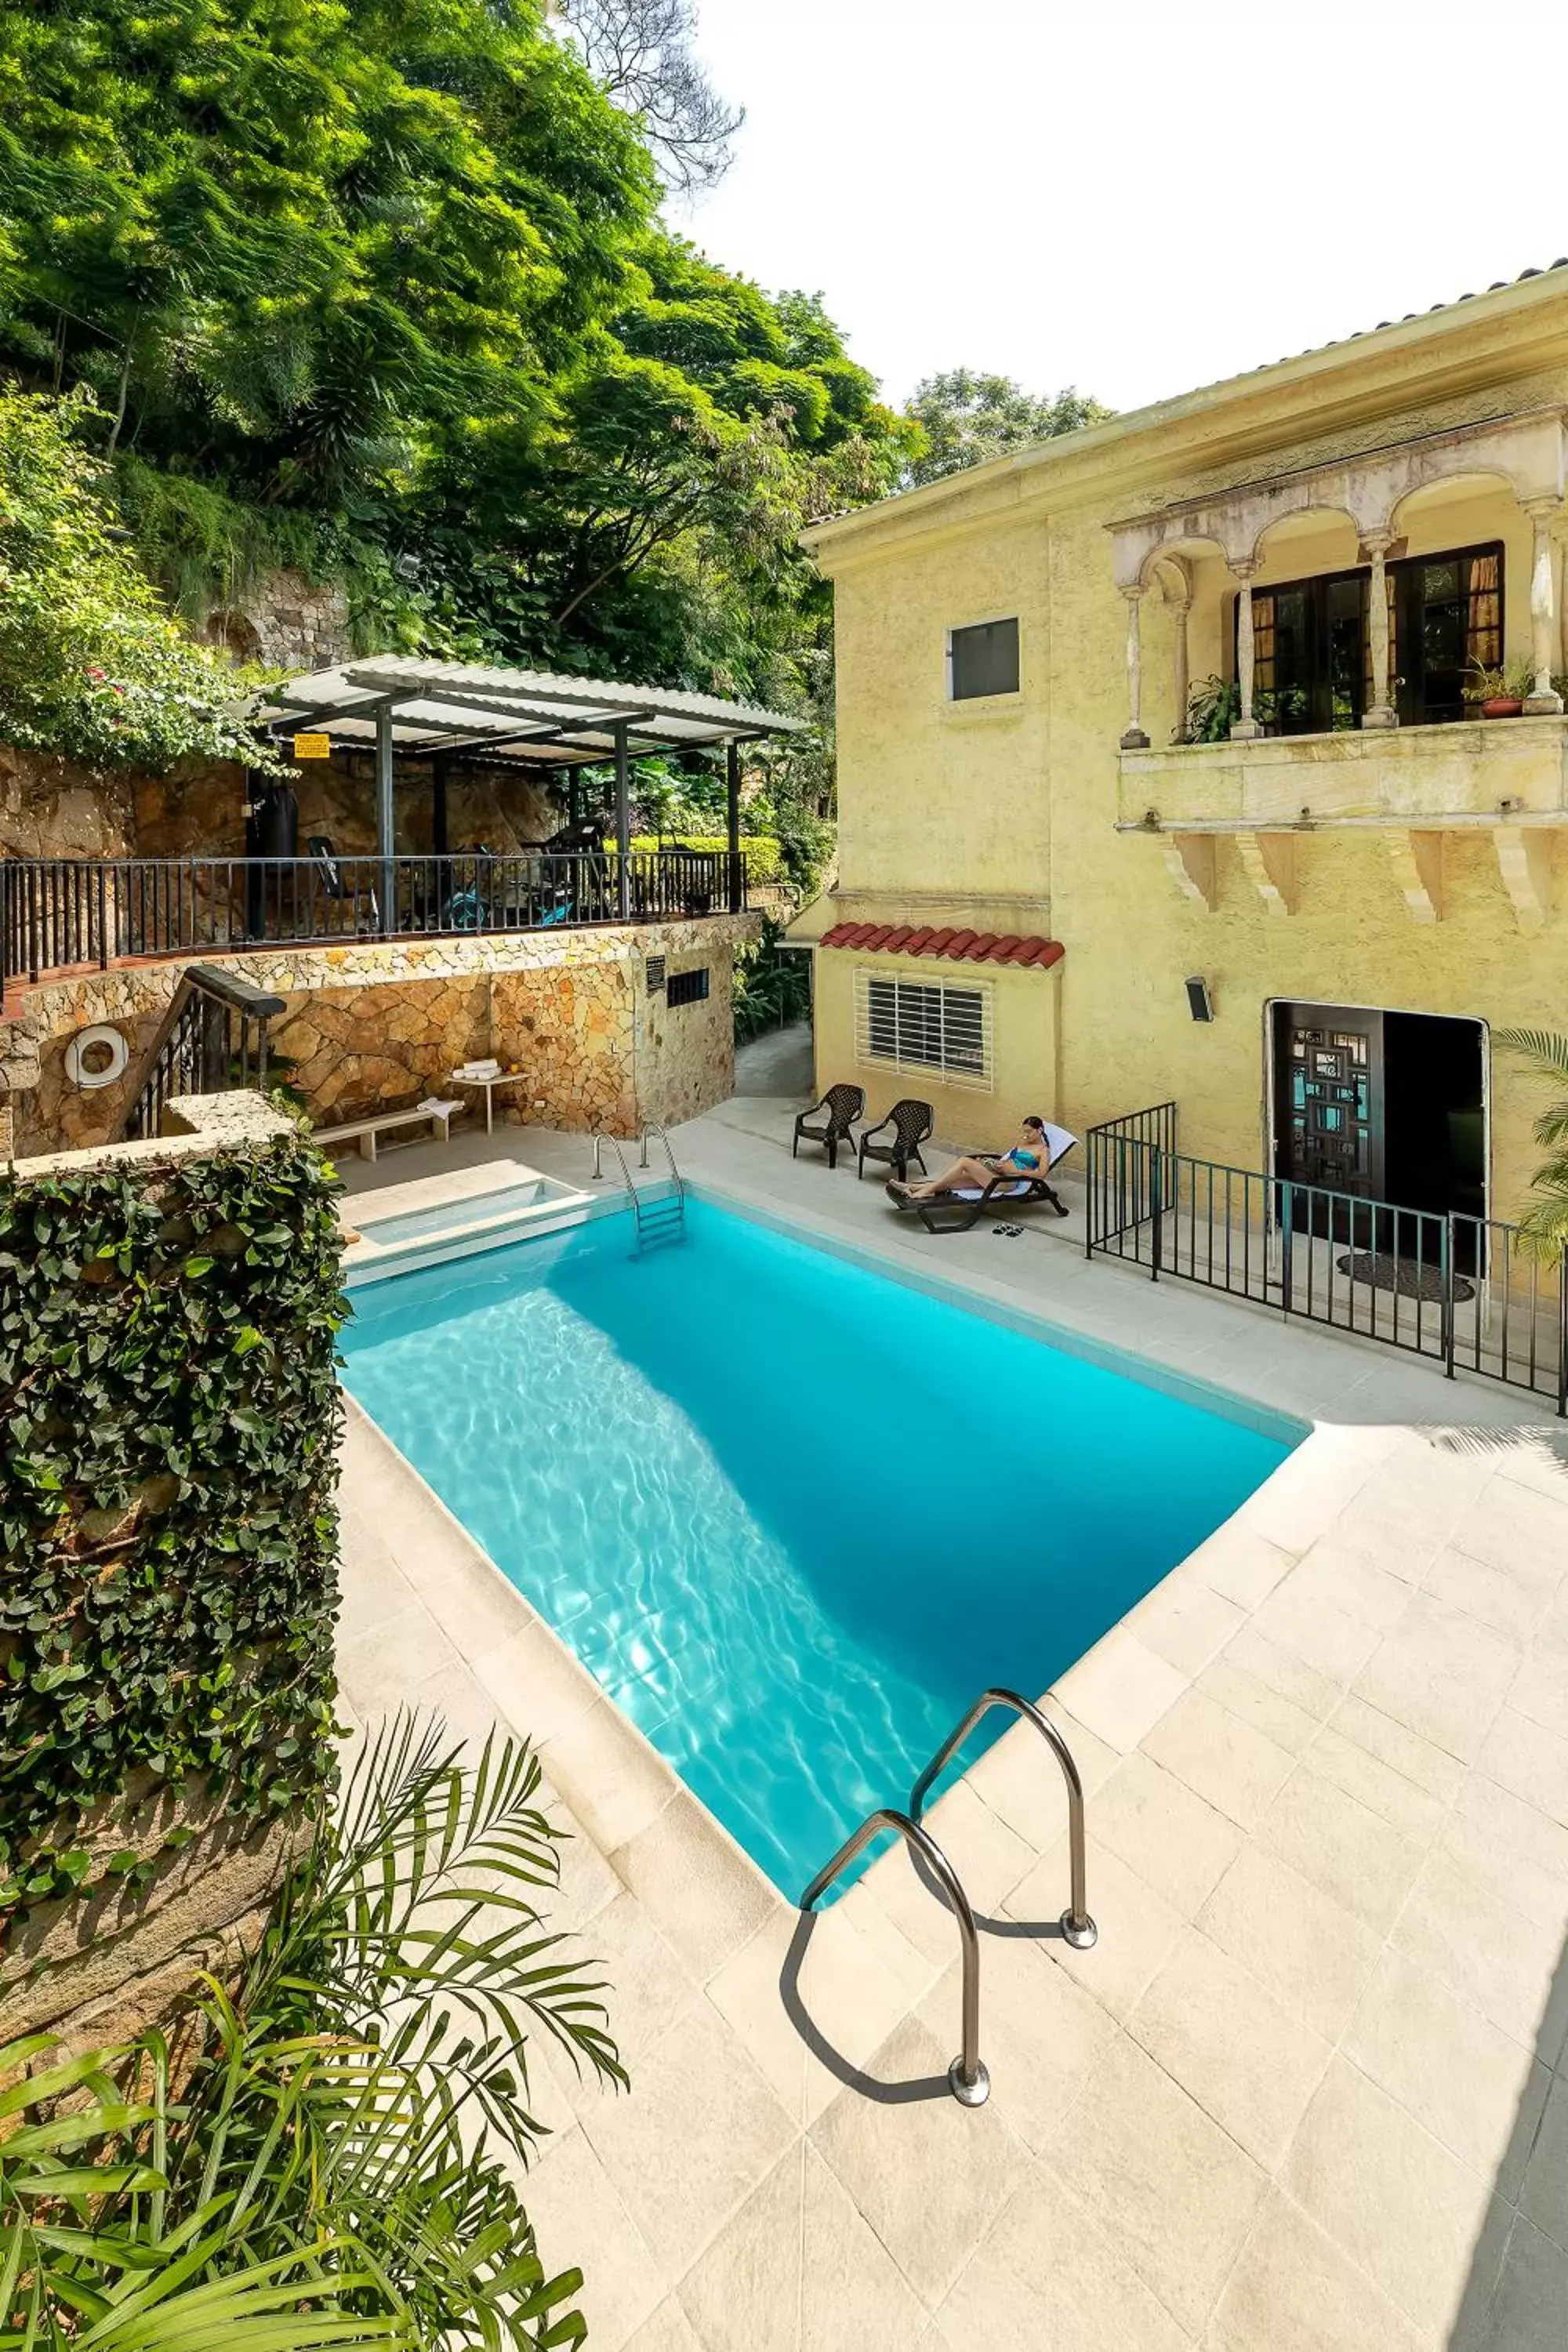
x: 1328, y: 1120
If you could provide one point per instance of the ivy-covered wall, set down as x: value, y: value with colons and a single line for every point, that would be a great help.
x: 168, y: 1422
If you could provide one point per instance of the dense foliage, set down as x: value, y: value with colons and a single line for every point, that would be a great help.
x: 90, y: 663
x: 966, y: 417
x: 168, y: 1415
x: 1543, y: 1228
x: 380, y: 288
x: 328, y: 2152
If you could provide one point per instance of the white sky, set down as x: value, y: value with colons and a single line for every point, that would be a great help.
x: 1135, y: 197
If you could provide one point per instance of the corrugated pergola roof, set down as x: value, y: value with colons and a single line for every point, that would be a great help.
x: 511, y: 714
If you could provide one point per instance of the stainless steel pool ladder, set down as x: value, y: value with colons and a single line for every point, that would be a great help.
x: 967, y: 2076
x: 661, y: 1218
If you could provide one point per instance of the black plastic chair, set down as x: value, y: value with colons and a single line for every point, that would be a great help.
x: 911, y: 1123
x: 843, y: 1105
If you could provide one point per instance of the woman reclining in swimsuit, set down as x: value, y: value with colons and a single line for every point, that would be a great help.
x: 1028, y: 1158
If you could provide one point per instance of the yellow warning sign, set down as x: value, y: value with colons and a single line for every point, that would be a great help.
x: 312, y: 747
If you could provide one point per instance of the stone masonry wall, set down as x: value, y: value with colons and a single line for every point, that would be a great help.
x: 375, y: 1025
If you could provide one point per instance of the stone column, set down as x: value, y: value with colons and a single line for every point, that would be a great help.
x: 1247, y: 729
x: 1134, y: 739
x: 1381, y: 712
x: 1544, y: 698
x: 1180, y: 608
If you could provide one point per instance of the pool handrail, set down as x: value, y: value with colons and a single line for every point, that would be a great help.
x: 1077, y: 1928
x: 967, y: 2077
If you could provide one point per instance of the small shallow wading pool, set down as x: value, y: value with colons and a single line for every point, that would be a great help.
x: 793, y: 1514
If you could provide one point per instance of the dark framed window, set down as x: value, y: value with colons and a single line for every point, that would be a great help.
x: 925, y: 1025
x: 1312, y: 652
x: 982, y: 660
x: 686, y: 987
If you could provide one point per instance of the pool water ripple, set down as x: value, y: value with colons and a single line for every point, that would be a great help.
x: 791, y: 1514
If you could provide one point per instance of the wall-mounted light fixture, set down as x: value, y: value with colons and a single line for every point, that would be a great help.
x: 1200, y: 1003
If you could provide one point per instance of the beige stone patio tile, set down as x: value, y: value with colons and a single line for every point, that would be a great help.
x: 1137, y: 1926
x: 699, y: 1890
x: 1544, y: 2194
x: 1469, y: 2084
x: 1499, y: 1815
x: 1511, y: 1596
x: 1293, y: 2291
x: 850, y: 1998
x: 1308, y: 1950
x: 380, y: 1664
x: 1525, y: 2312
x: 988, y: 1857
x: 1234, y: 1767
x: 929, y: 2175
x: 1186, y: 1623
x: 1173, y: 2191
x: 699, y: 2131
x: 586, y: 1882
x: 1343, y: 1847
x: 1296, y: 1617
x: 1213, y: 2027
x: 1510, y: 1524
x: 797, y: 2270
x: 1442, y: 1673
x: 1345, y: 1580
x: 1021, y: 1781
x: 1307, y: 1493
x: 454, y: 1693
x: 648, y: 1986
x: 1528, y: 1760
x: 1411, y: 1810
x: 1490, y: 1848
x: 1538, y: 1458
x: 1503, y: 1964
x: 608, y: 1774
x: 1402, y: 1751
x: 1393, y: 2200
x: 1039, y: 2031
x: 1048, y: 2277
x: 1280, y: 1671
x: 535, y: 1680
x: 1259, y: 1707
x: 988, y: 1854
x: 1540, y: 1690
x: 1119, y: 1689
x: 905, y: 1962
x: 669, y: 2330
x: 1165, y: 1832
x: 580, y: 2219
x: 1239, y: 1564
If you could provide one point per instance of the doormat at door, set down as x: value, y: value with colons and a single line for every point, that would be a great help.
x: 1404, y: 1274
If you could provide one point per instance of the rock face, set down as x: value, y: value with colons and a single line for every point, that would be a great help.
x: 376, y: 1024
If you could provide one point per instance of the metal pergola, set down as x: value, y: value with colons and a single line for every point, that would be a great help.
x: 437, y: 709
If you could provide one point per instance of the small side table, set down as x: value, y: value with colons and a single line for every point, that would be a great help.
x: 501, y: 1078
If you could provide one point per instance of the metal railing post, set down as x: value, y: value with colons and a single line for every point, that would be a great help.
x: 1155, y: 1171
x: 1447, y: 1332
x: 1562, y: 1338
x: 1287, y: 1244
x: 1078, y: 1928
x: 967, y: 2078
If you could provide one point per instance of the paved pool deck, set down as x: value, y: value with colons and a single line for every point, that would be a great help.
x: 1307, y: 2092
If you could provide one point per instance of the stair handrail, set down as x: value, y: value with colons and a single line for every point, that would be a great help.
x: 967, y: 2077
x: 1077, y: 1928
x: 202, y: 983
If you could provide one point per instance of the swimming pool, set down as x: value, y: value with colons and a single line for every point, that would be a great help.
x: 793, y: 1514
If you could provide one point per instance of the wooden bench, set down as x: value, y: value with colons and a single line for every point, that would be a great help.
x: 365, y: 1131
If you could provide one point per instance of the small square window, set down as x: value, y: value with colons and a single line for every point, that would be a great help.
x: 982, y: 660
x: 686, y: 987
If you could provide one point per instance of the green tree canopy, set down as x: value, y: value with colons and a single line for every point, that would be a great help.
x: 966, y: 417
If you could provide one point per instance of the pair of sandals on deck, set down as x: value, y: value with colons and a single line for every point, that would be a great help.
x: 955, y: 1208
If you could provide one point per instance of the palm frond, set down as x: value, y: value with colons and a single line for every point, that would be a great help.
x: 1542, y: 1048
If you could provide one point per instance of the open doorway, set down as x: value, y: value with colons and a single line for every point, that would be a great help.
x: 1388, y: 1106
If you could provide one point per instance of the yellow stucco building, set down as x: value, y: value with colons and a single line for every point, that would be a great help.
x: 1366, y: 876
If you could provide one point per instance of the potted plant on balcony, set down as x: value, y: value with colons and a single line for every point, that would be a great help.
x: 1501, y: 691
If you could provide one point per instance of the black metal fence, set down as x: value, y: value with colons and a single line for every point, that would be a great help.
x: 1460, y: 1290
x: 212, y: 1039
x: 56, y: 913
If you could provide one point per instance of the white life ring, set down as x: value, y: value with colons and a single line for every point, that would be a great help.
x: 96, y: 1040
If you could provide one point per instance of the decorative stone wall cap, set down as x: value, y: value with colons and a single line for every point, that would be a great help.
x: 204, y: 1123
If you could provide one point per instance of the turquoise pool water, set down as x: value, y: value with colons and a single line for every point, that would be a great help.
x: 793, y: 1514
